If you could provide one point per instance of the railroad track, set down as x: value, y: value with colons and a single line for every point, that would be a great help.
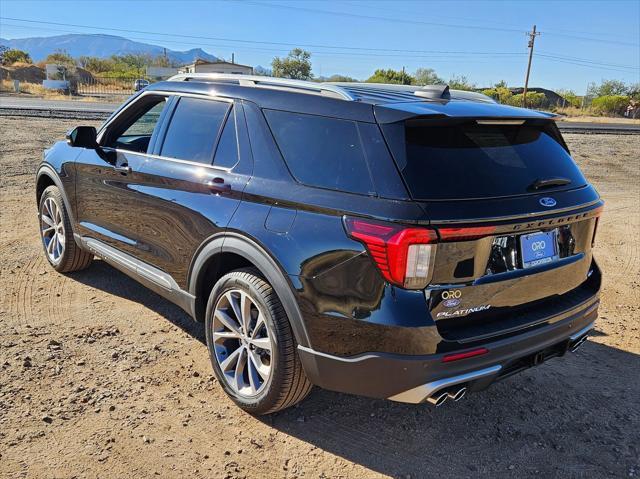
x: 88, y: 113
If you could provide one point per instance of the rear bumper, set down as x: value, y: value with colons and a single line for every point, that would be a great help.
x: 415, y: 378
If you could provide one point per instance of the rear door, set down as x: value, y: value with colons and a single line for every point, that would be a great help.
x: 193, y: 182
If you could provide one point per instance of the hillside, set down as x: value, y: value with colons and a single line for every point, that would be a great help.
x: 98, y: 45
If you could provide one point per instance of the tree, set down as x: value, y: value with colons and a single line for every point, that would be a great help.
x: 9, y: 56
x: 95, y: 64
x: 60, y: 57
x: 501, y: 84
x: 461, y: 82
x: 426, y: 76
x: 391, y: 76
x: 340, y: 79
x: 571, y: 98
x: 262, y: 71
x: 607, y: 88
x: 296, y: 65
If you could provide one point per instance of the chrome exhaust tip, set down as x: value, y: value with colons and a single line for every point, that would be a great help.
x: 438, y: 399
x: 578, y: 343
x: 457, y: 395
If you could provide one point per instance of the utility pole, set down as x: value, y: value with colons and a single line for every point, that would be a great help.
x: 532, y: 38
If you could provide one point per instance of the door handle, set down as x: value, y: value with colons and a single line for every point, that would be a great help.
x: 218, y: 185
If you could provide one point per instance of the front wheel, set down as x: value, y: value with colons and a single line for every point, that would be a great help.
x: 251, y: 345
x: 56, y: 234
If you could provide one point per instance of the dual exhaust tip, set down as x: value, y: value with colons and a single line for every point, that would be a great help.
x: 439, y: 398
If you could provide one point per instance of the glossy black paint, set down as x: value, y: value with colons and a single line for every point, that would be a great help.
x: 179, y: 217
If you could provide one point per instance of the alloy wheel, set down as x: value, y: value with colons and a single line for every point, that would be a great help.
x: 242, y: 343
x: 52, y: 229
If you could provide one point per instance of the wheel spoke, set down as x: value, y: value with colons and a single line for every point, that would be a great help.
x: 252, y: 371
x: 48, y: 220
x: 259, y: 325
x: 51, y: 244
x: 235, y: 306
x: 257, y: 364
x: 238, y: 376
x: 226, y: 335
x: 231, y: 361
x: 227, y: 321
x: 48, y: 229
x: 245, y: 310
x: 262, y: 343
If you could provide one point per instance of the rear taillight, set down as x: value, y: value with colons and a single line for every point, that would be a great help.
x: 403, y: 255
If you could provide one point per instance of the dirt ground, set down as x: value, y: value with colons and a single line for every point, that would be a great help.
x: 99, y: 377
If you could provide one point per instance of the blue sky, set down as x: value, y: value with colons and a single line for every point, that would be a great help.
x: 580, y: 41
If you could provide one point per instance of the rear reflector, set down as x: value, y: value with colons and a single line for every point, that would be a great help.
x: 465, y: 234
x: 467, y: 354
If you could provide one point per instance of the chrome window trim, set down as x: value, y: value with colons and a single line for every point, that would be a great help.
x: 164, y: 93
x: 166, y: 158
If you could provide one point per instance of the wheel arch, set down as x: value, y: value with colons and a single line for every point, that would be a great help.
x: 47, y: 176
x: 229, y: 251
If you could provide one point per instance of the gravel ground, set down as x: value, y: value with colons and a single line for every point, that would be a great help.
x: 101, y: 378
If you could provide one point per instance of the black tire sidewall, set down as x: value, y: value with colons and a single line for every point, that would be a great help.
x: 270, y: 394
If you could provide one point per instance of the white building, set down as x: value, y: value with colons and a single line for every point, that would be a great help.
x: 202, y: 66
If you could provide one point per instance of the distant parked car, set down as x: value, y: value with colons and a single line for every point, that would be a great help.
x: 140, y: 84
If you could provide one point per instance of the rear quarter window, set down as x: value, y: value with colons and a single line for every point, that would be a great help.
x: 321, y: 151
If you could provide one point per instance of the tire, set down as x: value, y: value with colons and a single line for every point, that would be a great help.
x: 56, y: 233
x: 286, y: 383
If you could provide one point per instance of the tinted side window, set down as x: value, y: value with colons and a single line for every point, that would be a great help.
x: 227, y: 150
x: 193, y: 131
x: 321, y: 151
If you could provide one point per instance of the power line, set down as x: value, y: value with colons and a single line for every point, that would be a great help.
x: 438, y: 24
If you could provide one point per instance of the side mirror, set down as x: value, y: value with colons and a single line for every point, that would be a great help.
x: 83, y: 137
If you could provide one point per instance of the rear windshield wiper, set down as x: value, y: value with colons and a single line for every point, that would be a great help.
x: 541, y: 183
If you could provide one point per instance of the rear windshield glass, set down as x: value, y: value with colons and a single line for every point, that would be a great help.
x: 471, y: 160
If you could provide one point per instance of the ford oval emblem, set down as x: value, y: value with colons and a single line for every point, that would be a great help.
x: 451, y: 303
x: 548, y: 202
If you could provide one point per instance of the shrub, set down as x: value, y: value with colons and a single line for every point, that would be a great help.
x: 534, y: 100
x: 610, y: 104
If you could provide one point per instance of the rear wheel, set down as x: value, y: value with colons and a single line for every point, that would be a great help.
x: 60, y: 248
x: 252, y: 348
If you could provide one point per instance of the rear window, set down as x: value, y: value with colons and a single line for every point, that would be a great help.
x: 321, y: 151
x: 470, y: 160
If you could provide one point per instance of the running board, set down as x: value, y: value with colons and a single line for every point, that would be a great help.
x: 149, y: 276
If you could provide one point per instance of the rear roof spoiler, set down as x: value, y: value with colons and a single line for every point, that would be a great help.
x: 395, y: 112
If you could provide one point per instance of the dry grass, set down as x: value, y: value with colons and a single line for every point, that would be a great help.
x: 589, y: 115
x: 39, y: 91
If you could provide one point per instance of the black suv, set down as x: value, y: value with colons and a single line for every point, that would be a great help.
x: 410, y: 243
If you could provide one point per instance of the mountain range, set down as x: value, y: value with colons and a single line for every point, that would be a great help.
x: 99, y: 45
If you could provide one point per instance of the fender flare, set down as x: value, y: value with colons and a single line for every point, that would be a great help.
x: 231, y: 242
x: 47, y: 170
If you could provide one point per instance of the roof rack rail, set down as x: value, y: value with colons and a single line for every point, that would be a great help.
x: 266, y: 82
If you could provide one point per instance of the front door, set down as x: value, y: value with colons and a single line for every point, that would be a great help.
x: 108, y: 178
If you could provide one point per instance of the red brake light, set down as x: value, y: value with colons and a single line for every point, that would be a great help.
x: 402, y: 254
x: 467, y: 354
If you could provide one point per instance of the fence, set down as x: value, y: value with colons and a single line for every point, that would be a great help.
x: 101, y: 86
